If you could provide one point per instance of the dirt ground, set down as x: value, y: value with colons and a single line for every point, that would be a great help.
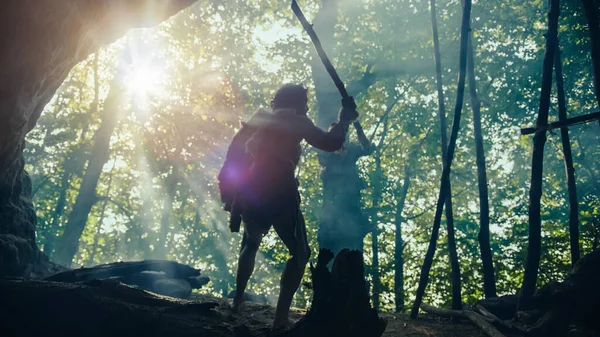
x: 258, y: 317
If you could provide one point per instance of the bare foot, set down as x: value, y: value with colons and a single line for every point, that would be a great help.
x: 237, y: 304
x: 280, y: 324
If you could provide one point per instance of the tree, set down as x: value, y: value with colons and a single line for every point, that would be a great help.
x: 537, y: 162
x: 86, y: 197
x: 489, y: 279
x: 568, y: 158
x: 444, y: 184
x: 455, y: 275
x: 341, y: 181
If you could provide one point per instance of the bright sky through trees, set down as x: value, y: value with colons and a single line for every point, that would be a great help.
x: 185, y: 86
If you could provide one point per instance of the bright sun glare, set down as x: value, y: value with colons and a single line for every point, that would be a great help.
x: 144, y: 79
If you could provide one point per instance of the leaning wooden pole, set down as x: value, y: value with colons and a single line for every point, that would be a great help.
x: 455, y: 266
x: 489, y: 278
x: 591, y: 13
x: 424, y: 277
x: 537, y: 162
x: 568, y: 158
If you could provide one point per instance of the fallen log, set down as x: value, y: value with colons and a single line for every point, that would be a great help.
x: 505, y: 324
x: 167, y: 278
x: 104, y: 271
x: 480, y: 321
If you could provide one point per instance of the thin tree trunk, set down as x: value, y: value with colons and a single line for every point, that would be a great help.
x: 101, y: 218
x: 377, y: 191
x: 58, y: 211
x: 160, y: 251
x: 569, y: 169
x: 455, y: 273
x: 71, y: 165
x: 399, y: 251
x: 424, y: 277
x: 537, y: 162
x: 591, y: 13
x: 489, y: 279
x: 375, y: 235
x: 86, y: 197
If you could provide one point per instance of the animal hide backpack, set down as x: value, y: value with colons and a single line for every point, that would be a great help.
x: 234, y: 173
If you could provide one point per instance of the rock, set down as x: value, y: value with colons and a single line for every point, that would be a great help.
x: 172, y: 287
x: 16, y: 256
x: 198, y: 282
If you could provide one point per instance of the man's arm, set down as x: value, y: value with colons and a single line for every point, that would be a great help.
x: 330, y: 141
x: 334, y: 139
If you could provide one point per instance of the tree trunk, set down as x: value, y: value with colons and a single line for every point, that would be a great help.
x: 101, y: 217
x: 343, y: 180
x: 58, y: 210
x: 86, y: 197
x: 591, y: 13
x: 39, y: 44
x: 489, y: 279
x: 71, y: 166
x: 537, y: 161
x: 160, y: 252
x: 399, y: 251
x: 455, y: 273
x: 376, y: 198
x: 444, y: 184
x: 569, y: 169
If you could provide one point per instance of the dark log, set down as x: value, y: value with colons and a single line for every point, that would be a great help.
x: 340, y: 305
x: 100, y: 309
x: 124, y: 269
x: 480, y: 321
x: 504, y: 307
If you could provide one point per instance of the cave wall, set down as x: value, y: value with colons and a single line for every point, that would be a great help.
x: 40, y: 41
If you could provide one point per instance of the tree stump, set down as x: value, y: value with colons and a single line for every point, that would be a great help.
x: 340, y: 305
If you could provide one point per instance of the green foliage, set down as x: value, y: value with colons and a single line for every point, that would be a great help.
x: 208, y: 68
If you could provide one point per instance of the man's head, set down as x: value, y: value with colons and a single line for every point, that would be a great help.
x: 291, y: 96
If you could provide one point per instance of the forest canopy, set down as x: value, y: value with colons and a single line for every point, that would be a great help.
x: 125, y: 157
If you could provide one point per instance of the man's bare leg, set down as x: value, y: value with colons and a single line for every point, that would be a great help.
x: 294, y: 237
x: 290, y: 281
x: 245, y: 266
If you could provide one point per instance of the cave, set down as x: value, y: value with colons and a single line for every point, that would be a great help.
x: 40, y: 41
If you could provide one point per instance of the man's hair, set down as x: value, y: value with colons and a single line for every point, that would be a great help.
x: 289, y: 96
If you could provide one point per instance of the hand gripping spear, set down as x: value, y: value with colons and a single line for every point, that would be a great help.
x: 347, y: 100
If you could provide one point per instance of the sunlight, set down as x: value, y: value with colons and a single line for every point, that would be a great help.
x: 144, y: 80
